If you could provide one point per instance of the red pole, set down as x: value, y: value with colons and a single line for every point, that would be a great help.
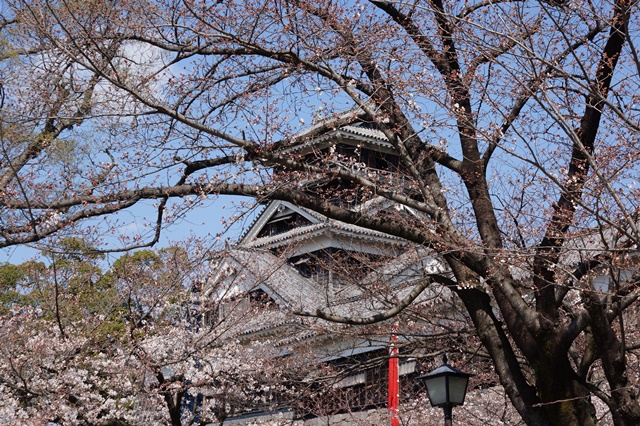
x: 394, y: 388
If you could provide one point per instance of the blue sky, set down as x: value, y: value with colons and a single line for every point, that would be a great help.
x: 204, y: 221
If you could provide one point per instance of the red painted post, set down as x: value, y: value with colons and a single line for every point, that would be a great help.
x: 394, y: 379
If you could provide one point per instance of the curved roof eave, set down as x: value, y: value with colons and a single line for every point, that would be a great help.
x: 330, y: 227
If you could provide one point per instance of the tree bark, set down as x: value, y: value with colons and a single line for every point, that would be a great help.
x: 520, y: 392
x: 173, y: 400
x: 564, y: 398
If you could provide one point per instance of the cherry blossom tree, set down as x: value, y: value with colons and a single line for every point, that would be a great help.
x: 120, y: 348
x: 515, y: 122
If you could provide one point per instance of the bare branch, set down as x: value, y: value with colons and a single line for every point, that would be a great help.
x: 383, y: 316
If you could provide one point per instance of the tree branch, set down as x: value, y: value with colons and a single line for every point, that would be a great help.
x: 383, y: 316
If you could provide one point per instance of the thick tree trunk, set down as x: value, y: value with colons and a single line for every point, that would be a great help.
x: 564, y: 399
x: 624, y: 406
x: 520, y: 392
x: 173, y: 400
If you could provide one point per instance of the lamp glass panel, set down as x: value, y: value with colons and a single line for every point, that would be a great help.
x: 437, y: 389
x: 457, y: 389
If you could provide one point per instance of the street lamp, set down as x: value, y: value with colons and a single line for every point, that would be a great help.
x: 446, y: 387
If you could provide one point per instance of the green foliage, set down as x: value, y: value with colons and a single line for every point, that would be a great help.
x: 64, y: 152
x: 139, y: 259
x: 6, y: 50
x: 78, y: 249
x: 10, y: 277
x: 74, y: 292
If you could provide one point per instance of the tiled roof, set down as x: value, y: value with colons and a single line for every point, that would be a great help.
x: 272, y: 208
x: 591, y: 242
x: 335, y: 121
x: 264, y: 322
x: 353, y: 133
x: 329, y: 226
x: 413, y: 263
x: 365, y: 132
x: 345, y: 125
x: 296, y: 337
x: 262, y: 269
x: 581, y: 246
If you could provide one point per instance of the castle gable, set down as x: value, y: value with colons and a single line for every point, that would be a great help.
x: 279, y: 217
